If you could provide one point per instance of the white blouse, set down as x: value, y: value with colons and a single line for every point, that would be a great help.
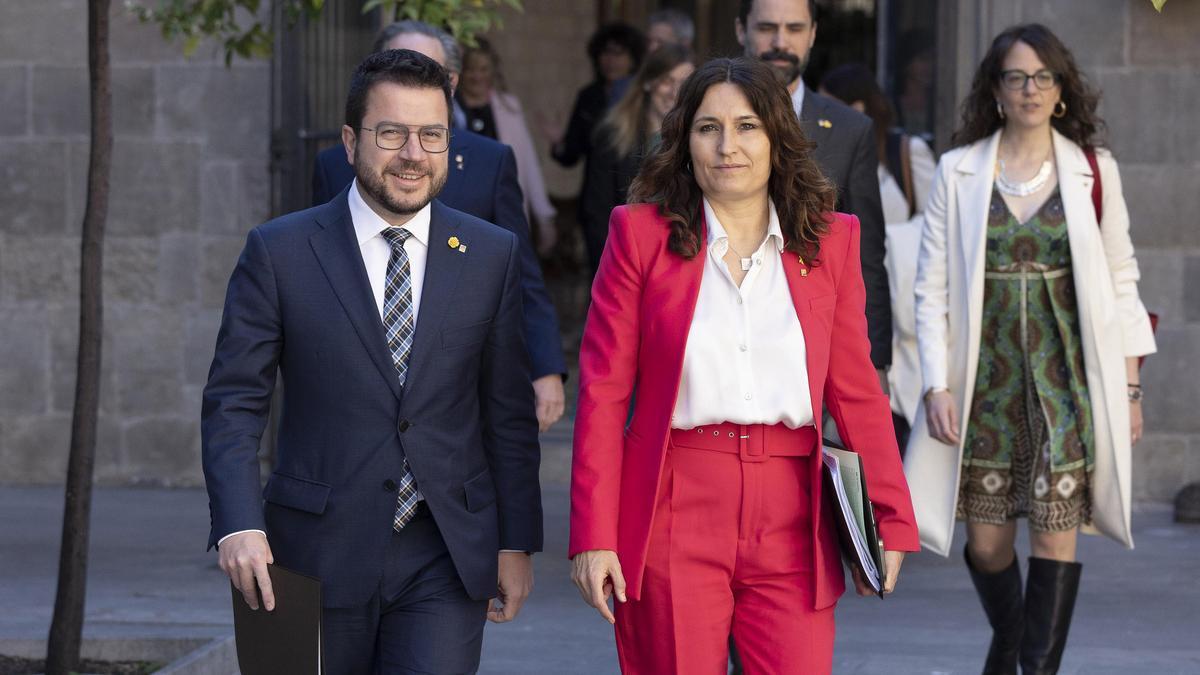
x: 745, y: 356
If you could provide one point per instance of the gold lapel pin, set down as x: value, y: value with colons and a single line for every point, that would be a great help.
x: 803, y: 267
x: 458, y: 162
x: 824, y: 124
x: 452, y: 242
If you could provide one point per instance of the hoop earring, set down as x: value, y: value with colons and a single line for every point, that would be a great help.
x: 1000, y: 109
x: 1060, y: 113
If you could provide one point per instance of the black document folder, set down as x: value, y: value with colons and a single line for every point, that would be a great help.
x: 854, y: 518
x: 286, y: 639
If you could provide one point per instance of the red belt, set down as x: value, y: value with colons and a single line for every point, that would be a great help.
x: 750, y: 442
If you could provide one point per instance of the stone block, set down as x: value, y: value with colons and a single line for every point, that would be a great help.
x: 74, y: 185
x: 254, y: 195
x: 60, y: 100
x: 148, y: 391
x: 64, y: 359
x: 44, y: 31
x: 177, y: 268
x: 40, y: 269
x: 1167, y: 39
x: 133, y: 100
x: 1162, y: 464
x: 201, y: 339
x: 219, y: 198
x: 217, y: 263
x: 32, y: 199
x: 1162, y: 283
x: 1191, y: 279
x: 34, y: 449
x: 227, y: 107
x: 162, y: 450
x: 14, y: 100
x: 1163, y: 205
x: 131, y: 269
x: 1092, y: 30
x: 1151, y: 113
x: 1170, y: 379
x: 131, y: 41
x: 154, y: 186
x: 144, y: 338
x: 24, y: 361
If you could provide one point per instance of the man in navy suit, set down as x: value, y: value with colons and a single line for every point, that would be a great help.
x: 483, y: 183
x: 407, y: 470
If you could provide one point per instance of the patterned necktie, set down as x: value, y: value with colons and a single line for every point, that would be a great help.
x: 400, y: 324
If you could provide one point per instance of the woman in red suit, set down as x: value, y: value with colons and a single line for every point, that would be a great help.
x: 731, y: 298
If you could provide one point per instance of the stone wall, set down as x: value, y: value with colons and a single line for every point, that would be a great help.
x: 189, y: 178
x: 1146, y: 64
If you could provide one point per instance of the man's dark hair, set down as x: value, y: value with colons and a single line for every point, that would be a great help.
x: 621, y: 34
x: 398, y: 66
x: 746, y: 5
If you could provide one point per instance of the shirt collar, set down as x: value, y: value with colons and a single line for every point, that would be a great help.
x: 798, y: 98
x: 368, y: 224
x: 718, y: 235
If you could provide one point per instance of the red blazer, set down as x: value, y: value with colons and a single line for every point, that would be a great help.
x: 643, y: 299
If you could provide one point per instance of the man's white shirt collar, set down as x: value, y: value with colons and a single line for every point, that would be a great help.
x: 798, y: 98
x: 368, y: 224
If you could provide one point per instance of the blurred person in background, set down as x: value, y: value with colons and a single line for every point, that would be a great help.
x: 492, y: 111
x: 616, y: 50
x: 1030, y: 327
x: 905, y: 176
x: 669, y: 27
x: 626, y: 134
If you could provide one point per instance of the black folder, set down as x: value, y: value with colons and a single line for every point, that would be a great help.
x: 853, y: 515
x: 288, y: 638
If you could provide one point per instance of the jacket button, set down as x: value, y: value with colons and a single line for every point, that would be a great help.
x: 403, y: 425
x: 389, y: 485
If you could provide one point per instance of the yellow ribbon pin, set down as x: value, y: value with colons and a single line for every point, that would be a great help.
x: 825, y: 124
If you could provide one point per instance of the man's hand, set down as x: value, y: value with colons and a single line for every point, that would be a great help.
x: 597, y: 575
x: 549, y: 399
x: 514, y: 582
x: 892, y: 560
x: 244, y: 558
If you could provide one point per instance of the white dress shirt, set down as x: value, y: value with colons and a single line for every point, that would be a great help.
x: 376, y: 251
x: 798, y: 99
x: 745, y: 356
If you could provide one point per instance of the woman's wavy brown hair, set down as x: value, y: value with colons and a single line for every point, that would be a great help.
x: 803, y: 197
x: 980, y: 118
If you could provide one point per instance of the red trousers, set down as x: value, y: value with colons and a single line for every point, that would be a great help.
x: 730, y: 552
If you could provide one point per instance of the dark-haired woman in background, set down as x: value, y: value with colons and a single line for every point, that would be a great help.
x: 616, y: 50
x: 733, y: 298
x: 1029, y: 326
x: 625, y: 134
x: 906, y: 167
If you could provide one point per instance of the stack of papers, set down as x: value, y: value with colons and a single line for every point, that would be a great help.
x: 855, y: 520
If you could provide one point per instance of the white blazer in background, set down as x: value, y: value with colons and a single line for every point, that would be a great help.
x: 949, y: 309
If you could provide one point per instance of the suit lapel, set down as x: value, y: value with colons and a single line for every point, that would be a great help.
x: 442, y: 269
x: 977, y: 170
x: 337, y: 251
x: 816, y: 346
x: 813, y: 110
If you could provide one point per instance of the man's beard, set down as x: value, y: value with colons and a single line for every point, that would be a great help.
x: 375, y: 185
x: 789, y: 72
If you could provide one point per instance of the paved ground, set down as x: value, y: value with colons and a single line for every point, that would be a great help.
x: 1139, y: 611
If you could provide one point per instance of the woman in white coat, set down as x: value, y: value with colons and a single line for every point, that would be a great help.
x: 1029, y: 326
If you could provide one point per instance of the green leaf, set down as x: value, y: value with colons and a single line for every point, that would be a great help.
x: 1158, y: 4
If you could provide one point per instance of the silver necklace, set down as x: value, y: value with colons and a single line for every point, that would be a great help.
x: 746, y: 262
x: 1015, y: 189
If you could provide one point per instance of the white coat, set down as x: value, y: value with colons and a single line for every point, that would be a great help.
x: 949, y: 310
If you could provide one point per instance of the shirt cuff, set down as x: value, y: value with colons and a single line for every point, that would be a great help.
x: 222, y: 539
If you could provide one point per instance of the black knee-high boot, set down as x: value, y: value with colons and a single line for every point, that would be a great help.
x: 1000, y: 593
x: 1049, y: 604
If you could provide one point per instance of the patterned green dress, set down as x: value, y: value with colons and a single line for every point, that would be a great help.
x: 1028, y: 448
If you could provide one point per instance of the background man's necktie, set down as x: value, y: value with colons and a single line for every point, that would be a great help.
x: 399, y: 322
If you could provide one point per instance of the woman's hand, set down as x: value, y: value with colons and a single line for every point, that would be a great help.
x: 942, y: 417
x: 1135, y: 422
x: 597, y: 575
x: 892, y: 560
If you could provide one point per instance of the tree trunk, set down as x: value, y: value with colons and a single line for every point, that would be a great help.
x: 66, y: 629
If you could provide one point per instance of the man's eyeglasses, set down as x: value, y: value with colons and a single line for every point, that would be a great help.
x: 395, y: 137
x: 1016, y: 79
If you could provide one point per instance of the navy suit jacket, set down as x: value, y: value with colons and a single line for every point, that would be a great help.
x: 847, y: 156
x: 483, y: 183
x: 299, y: 301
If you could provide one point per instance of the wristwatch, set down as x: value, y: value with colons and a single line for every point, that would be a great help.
x: 1135, y: 392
